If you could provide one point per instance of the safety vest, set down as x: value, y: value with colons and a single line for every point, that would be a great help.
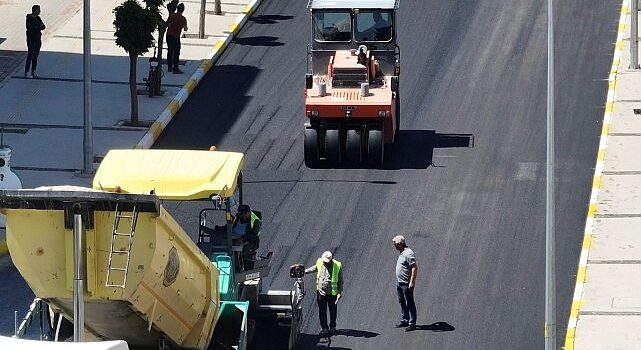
x: 250, y: 227
x: 336, y: 268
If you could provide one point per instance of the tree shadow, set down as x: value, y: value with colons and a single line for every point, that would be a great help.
x: 258, y: 41
x: 414, y: 149
x: 440, y: 326
x: 269, y: 19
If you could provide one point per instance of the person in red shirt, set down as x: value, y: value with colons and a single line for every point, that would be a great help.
x: 176, y: 23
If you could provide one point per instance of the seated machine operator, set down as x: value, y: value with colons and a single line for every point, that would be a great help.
x: 246, y: 231
x: 379, y: 31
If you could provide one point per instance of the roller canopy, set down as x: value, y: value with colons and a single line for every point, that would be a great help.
x: 349, y: 4
x: 170, y: 174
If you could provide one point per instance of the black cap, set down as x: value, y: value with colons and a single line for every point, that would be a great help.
x: 244, y: 208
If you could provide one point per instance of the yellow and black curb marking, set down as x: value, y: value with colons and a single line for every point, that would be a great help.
x: 577, y: 300
x: 172, y: 108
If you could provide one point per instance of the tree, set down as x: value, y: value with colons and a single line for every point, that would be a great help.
x: 134, y: 33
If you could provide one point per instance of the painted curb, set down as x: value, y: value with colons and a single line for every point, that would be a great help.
x: 207, y: 63
x: 581, y: 276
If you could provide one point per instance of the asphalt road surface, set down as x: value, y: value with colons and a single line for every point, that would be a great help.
x: 473, y: 74
x: 465, y: 183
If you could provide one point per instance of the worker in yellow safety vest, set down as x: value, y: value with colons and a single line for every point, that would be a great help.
x: 329, y: 289
x: 246, y: 227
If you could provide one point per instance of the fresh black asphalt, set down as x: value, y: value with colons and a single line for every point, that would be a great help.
x: 473, y: 72
x: 465, y: 182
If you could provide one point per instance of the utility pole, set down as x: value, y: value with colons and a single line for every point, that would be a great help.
x: 217, y: 10
x: 634, y: 35
x: 201, y: 26
x: 78, y: 278
x: 87, y: 140
x: 550, y: 275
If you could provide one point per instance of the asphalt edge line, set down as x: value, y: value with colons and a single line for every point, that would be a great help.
x: 581, y: 277
x: 163, y: 119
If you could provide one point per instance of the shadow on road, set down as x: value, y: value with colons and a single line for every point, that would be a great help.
x: 269, y: 19
x: 195, y: 127
x: 257, y: 41
x: 436, y: 327
x: 314, y: 341
x: 414, y: 149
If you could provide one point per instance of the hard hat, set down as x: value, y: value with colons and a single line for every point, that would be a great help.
x: 326, y: 257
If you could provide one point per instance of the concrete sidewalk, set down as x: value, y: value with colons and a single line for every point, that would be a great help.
x: 606, y: 311
x: 42, y: 118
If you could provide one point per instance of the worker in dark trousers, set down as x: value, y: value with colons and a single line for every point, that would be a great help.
x: 35, y: 26
x: 175, y: 25
x: 329, y: 290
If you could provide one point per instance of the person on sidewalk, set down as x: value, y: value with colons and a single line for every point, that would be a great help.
x: 35, y: 26
x: 406, y: 270
x: 171, y: 6
x: 329, y: 290
x: 176, y: 23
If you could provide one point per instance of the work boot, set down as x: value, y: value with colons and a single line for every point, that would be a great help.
x: 401, y: 324
x: 410, y: 328
x: 323, y: 332
x: 177, y: 71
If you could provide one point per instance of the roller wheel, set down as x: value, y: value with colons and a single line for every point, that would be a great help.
x: 332, y: 146
x: 311, y: 148
x: 398, y: 115
x: 353, y: 147
x: 375, y: 148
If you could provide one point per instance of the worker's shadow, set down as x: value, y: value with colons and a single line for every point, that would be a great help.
x: 314, y: 341
x: 414, y: 149
x: 441, y: 326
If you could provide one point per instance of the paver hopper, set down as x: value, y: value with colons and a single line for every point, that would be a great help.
x: 145, y: 280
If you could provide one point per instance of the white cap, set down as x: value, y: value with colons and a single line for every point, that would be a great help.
x: 398, y: 239
x: 326, y: 257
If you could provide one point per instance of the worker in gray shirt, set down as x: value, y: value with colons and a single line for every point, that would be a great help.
x: 406, y: 270
x: 329, y: 289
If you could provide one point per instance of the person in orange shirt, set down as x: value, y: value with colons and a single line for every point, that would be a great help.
x: 176, y: 23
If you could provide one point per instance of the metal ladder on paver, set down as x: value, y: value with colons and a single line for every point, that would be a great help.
x: 133, y: 218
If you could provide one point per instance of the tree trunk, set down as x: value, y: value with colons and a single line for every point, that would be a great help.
x: 132, y: 88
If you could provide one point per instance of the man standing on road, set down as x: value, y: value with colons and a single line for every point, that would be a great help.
x: 329, y: 289
x: 35, y: 26
x: 176, y: 23
x: 406, y: 270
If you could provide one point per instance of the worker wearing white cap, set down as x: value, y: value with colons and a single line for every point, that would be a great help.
x: 406, y: 270
x: 329, y: 288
